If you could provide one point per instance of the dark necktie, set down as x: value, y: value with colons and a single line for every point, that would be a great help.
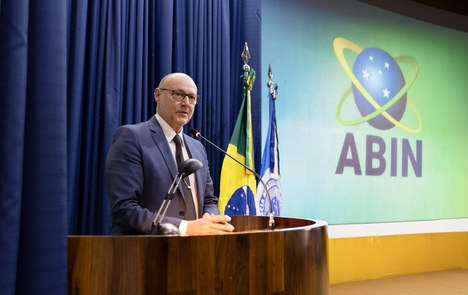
x: 185, y: 183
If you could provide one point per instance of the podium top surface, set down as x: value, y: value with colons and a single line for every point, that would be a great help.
x: 258, y: 224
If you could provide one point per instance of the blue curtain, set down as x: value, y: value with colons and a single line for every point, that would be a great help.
x: 119, y: 51
x: 33, y: 151
x: 107, y: 87
x: 71, y: 72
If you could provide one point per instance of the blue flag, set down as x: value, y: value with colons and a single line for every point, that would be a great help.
x: 270, y: 171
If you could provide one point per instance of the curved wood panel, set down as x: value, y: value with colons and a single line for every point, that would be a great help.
x: 291, y: 259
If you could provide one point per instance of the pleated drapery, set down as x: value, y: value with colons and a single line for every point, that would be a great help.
x: 72, y: 72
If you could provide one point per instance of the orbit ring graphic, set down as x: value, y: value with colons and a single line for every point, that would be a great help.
x: 339, y: 44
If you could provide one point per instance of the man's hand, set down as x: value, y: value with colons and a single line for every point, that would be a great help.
x: 210, y: 224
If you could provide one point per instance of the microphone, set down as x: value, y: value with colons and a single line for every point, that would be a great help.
x: 271, y: 222
x: 188, y: 167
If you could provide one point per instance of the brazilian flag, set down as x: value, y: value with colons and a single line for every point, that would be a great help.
x: 237, y: 184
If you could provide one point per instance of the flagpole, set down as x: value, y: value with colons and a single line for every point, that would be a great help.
x: 270, y: 161
x: 246, y: 58
x: 270, y: 84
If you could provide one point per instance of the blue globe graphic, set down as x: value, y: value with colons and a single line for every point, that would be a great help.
x: 382, y: 78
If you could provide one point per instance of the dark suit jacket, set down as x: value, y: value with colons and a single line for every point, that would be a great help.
x: 140, y: 169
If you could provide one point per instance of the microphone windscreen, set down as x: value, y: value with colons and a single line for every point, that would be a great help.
x: 189, y: 166
x: 195, y: 132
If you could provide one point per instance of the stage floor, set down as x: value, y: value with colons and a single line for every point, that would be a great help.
x: 450, y: 282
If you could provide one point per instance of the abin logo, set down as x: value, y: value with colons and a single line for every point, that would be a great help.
x: 380, y: 93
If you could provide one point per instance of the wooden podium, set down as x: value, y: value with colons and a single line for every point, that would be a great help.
x: 292, y: 259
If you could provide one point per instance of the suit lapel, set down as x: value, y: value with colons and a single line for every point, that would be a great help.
x: 162, y: 144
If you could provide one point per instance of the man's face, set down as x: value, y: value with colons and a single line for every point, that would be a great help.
x: 175, y: 113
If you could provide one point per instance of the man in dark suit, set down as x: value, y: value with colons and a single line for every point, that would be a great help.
x: 141, y: 166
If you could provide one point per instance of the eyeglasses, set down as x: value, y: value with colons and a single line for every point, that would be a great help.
x: 179, y: 96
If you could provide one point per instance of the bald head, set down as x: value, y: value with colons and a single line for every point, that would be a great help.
x: 174, y: 78
x: 175, y: 113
